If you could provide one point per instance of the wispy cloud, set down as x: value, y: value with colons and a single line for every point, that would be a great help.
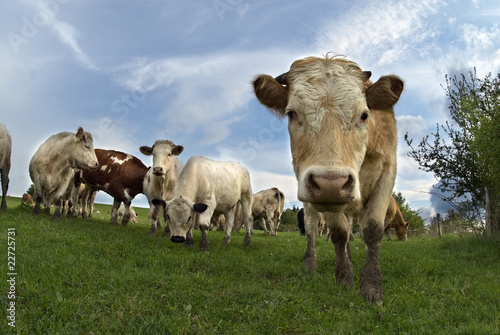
x: 65, y: 31
x: 380, y: 32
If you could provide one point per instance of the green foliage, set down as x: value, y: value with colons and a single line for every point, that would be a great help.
x: 31, y: 191
x: 88, y: 277
x: 467, y: 158
x: 409, y: 214
x: 289, y: 220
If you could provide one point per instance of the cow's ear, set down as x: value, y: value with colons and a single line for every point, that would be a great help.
x: 148, y: 151
x: 384, y: 93
x: 200, y: 207
x: 271, y: 93
x: 407, y: 224
x: 177, y: 150
x: 80, y: 133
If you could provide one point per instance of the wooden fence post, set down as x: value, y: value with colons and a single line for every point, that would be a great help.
x: 440, y: 233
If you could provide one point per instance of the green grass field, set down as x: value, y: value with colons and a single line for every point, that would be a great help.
x: 81, y: 276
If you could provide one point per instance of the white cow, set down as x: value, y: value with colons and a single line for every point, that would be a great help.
x: 208, y: 187
x: 121, y: 212
x: 267, y: 208
x: 5, y: 153
x: 161, y: 178
x: 52, y: 167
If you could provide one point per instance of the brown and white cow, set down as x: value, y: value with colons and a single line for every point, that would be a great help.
x: 343, y: 142
x: 394, y: 219
x: 52, y: 167
x: 208, y: 188
x: 267, y: 208
x: 120, y: 175
x: 5, y: 153
x: 161, y: 178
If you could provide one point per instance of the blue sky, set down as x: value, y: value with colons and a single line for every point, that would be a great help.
x: 131, y: 72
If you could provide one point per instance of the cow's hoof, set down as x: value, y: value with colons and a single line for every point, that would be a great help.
x: 309, y: 263
x: 248, y: 240
x: 226, y: 240
x: 372, y: 293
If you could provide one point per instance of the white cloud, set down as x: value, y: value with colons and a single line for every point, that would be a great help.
x: 380, y: 32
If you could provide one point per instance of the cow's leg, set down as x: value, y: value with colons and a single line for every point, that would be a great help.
x: 5, y: 184
x: 263, y: 225
x: 155, y: 211
x: 114, y: 212
x: 270, y: 220
x: 204, y: 238
x: 339, y: 233
x: 85, y: 197
x: 91, y: 202
x: 371, y: 223
x: 126, y: 213
x: 311, y: 218
x: 37, y: 209
x: 229, y: 226
x: 246, y: 211
x: 57, y: 210
x: 189, y: 238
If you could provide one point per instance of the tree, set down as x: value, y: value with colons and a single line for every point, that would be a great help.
x: 467, y: 160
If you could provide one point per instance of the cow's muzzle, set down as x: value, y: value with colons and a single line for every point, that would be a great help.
x: 329, y: 186
x: 178, y: 239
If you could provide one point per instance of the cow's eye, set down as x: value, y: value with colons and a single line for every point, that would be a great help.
x: 189, y: 219
x: 292, y: 115
x: 87, y: 146
x: 168, y: 217
x: 364, y: 116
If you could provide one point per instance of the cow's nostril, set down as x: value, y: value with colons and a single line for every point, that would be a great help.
x: 178, y: 239
x: 348, y: 185
x: 312, y: 184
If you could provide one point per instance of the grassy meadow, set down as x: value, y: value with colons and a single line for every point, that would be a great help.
x: 81, y: 276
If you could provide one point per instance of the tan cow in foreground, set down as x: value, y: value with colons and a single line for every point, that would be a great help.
x: 5, y: 153
x: 52, y: 167
x: 208, y: 187
x: 161, y: 178
x: 394, y: 219
x: 267, y: 208
x: 343, y: 142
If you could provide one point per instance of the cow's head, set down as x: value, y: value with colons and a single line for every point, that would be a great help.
x: 180, y: 214
x: 163, y: 152
x: 82, y: 151
x: 327, y: 102
x: 402, y: 231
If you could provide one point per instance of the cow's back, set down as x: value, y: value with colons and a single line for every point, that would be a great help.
x: 203, y: 177
x: 119, y: 174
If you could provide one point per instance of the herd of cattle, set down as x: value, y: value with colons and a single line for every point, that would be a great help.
x: 343, y: 142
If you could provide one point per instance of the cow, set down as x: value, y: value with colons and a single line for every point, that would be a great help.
x: 343, y: 142
x: 5, y: 153
x: 120, y: 175
x: 161, y: 178
x: 300, y: 222
x: 321, y: 224
x: 267, y: 208
x: 27, y: 199
x: 52, y: 167
x: 208, y: 188
x: 121, y: 212
x: 394, y: 219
